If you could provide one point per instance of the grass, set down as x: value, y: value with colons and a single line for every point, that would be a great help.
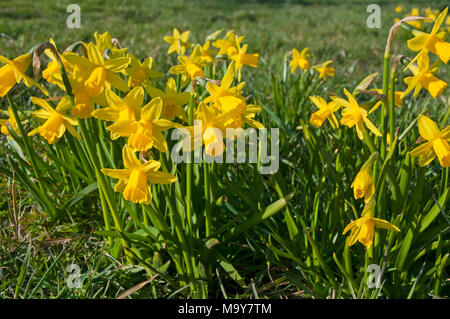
x: 35, y: 252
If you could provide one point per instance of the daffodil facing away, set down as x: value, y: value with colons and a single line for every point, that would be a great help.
x: 178, y: 42
x: 105, y: 42
x: 437, y: 143
x: 299, y: 60
x: 207, y: 53
x: 325, y: 70
x: 139, y: 72
x: 363, y: 185
x: 11, y: 121
x: 135, y: 178
x: 119, y: 110
x: 173, y: 101
x: 145, y: 133
x: 98, y: 73
x: 14, y: 71
x: 433, y: 41
x: 423, y: 78
x: 354, y: 115
x: 241, y: 58
x: 56, y: 120
x: 326, y: 111
x: 52, y: 72
x: 363, y: 229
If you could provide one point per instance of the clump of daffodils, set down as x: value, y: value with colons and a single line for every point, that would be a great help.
x: 106, y: 82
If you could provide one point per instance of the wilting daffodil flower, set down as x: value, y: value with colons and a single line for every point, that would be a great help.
x: 299, y: 60
x: 145, y: 133
x: 98, y: 73
x: 56, y: 120
x: 437, y: 143
x: 10, y: 121
x: 134, y: 179
x: 326, y: 111
x: 363, y: 185
x: 14, y: 71
x: 433, y: 41
x: 178, y: 42
x: 423, y: 77
x: 363, y: 229
x: 354, y: 115
x: 325, y: 70
x: 173, y: 101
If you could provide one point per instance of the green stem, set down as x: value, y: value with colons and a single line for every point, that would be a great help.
x: 31, y: 155
x: 384, y: 109
x: 207, y: 179
x: 189, y: 168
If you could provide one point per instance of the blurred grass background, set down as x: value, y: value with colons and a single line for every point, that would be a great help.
x: 331, y: 29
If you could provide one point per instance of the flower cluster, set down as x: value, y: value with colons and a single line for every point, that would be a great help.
x: 355, y: 114
x: 108, y: 83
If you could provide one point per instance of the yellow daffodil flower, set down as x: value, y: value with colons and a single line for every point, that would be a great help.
x: 56, y: 120
x: 241, y: 58
x: 229, y: 45
x: 398, y: 99
x: 299, y: 60
x: 191, y: 66
x: 118, y: 110
x: 173, y: 101
x: 354, y: 115
x: 423, y: 77
x: 10, y: 121
x: 84, y: 104
x: 178, y: 42
x: 14, y: 71
x: 417, y: 23
x: 363, y: 185
x: 138, y: 73
x: 432, y: 42
x: 104, y: 42
x: 363, y: 229
x: 98, y: 73
x: 217, y: 93
x: 325, y: 70
x: 437, y: 143
x: 398, y: 9
x: 206, y: 53
x: 326, y: 111
x: 145, y: 133
x: 211, y: 122
x: 431, y: 14
x: 134, y: 179
x: 52, y: 73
